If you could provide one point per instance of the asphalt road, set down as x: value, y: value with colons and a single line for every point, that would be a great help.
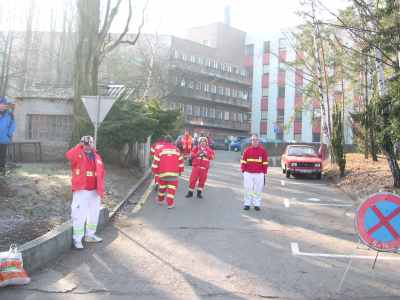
x: 297, y: 247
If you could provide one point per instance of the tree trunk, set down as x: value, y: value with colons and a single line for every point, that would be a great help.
x: 6, y: 64
x: 27, y: 47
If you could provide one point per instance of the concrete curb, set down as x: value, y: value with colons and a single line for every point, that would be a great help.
x: 40, y: 251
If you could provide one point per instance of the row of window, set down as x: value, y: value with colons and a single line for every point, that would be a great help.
x: 214, y: 89
x: 281, y: 92
x: 211, y: 63
x: 209, y: 112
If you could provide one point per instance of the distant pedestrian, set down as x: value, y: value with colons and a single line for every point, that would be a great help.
x: 168, y: 166
x: 187, y: 144
x: 201, y: 156
x: 254, y: 165
x: 88, y: 188
x: 7, y: 129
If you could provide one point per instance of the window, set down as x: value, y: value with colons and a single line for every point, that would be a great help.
x: 215, y: 64
x: 249, y: 50
x: 183, y: 83
x: 316, y: 137
x: 198, y: 86
x: 208, y: 62
x: 234, y: 116
x: 282, y: 44
x: 281, y: 92
x: 297, y: 137
x: 192, y: 59
x: 298, y: 115
x: 316, y: 113
x: 243, y: 72
x: 207, y: 87
x: 213, y: 89
x: 181, y: 107
x: 184, y: 58
x: 191, y: 84
x: 219, y: 115
x: 240, y: 117
x: 223, y: 67
x: 265, y: 92
x: 280, y: 116
x: 229, y: 68
x: 265, y: 69
x: 176, y: 54
x: 221, y: 90
x: 212, y: 112
x: 49, y: 127
x: 264, y: 115
x: 234, y: 93
x: 196, y: 111
x: 266, y: 47
x: 200, y: 60
x: 228, y: 92
x: 188, y: 109
x: 227, y: 116
x: 204, y: 111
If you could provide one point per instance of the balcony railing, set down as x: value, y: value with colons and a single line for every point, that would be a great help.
x: 208, y: 96
x: 233, y: 125
x: 210, y: 71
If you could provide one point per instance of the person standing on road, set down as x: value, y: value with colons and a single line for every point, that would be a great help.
x: 7, y: 129
x: 201, y: 156
x: 88, y: 188
x: 168, y: 166
x: 187, y: 143
x: 254, y: 166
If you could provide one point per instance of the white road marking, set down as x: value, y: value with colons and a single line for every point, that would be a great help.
x: 323, y: 204
x: 314, y: 199
x: 296, y: 252
x: 283, y: 183
x: 287, y: 202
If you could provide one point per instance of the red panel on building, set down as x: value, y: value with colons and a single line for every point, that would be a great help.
x: 264, y: 103
x: 316, y: 103
x: 263, y: 127
x: 300, y: 56
x: 282, y: 55
x: 280, y: 103
x: 266, y: 58
x: 281, y: 77
x: 298, y: 101
x: 248, y: 61
x: 316, y: 126
x: 265, y: 80
x: 297, y: 127
x: 299, y: 77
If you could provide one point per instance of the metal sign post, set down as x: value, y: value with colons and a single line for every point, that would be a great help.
x: 97, y: 108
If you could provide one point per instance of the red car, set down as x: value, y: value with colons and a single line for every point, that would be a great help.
x: 301, y: 160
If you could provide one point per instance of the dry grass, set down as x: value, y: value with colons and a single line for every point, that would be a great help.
x: 363, y: 177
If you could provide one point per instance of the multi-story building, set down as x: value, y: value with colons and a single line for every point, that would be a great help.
x: 212, y: 84
x: 280, y: 111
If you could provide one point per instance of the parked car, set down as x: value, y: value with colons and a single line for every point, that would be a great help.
x: 301, y: 160
x: 235, y: 145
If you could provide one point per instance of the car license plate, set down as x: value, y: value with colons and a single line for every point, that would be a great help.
x: 305, y: 171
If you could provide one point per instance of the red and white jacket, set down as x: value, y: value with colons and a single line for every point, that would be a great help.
x: 82, y: 172
x: 168, y: 161
x: 254, y: 160
x: 201, y: 157
x: 155, y: 147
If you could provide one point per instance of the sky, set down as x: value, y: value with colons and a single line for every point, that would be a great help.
x: 175, y: 16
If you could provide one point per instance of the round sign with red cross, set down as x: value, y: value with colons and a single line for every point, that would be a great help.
x: 378, y: 221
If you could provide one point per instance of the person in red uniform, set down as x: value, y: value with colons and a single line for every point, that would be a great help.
x: 201, y: 156
x: 157, y: 145
x: 254, y: 166
x: 87, y: 189
x: 187, y: 143
x: 168, y: 165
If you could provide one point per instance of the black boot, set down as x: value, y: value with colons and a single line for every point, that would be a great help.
x: 189, y: 194
x: 199, y: 195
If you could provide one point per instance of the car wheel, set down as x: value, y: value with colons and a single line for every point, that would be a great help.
x: 287, y: 174
x: 319, y: 176
x: 236, y: 149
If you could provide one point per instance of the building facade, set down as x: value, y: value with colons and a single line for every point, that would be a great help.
x: 280, y: 111
x: 211, y: 84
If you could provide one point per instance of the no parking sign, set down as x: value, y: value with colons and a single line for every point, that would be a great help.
x: 378, y: 222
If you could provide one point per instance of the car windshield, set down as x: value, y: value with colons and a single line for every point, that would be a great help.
x: 301, y: 151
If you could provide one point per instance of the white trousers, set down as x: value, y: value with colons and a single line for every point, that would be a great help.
x: 85, y: 207
x: 253, y: 186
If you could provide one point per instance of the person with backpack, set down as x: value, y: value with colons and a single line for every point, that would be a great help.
x: 7, y: 129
